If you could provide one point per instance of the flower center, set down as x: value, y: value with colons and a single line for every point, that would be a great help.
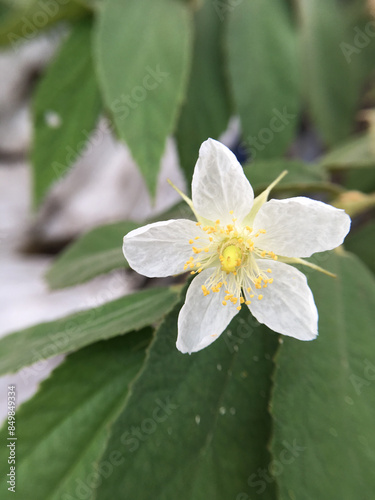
x: 232, y: 252
x: 231, y: 258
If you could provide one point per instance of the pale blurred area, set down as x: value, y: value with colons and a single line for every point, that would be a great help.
x: 103, y: 187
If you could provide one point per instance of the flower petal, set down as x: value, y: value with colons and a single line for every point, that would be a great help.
x: 161, y: 249
x: 299, y: 227
x: 219, y: 184
x: 202, y: 319
x: 287, y: 305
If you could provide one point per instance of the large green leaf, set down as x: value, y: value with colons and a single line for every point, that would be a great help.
x: 263, y: 66
x: 206, y: 110
x: 301, y: 177
x: 62, y: 431
x: 100, y: 251
x: 66, y: 108
x: 142, y: 52
x: 362, y: 243
x: 196, y: 426
x: 22, y: 21
x: 332, y: 80
x: 120, y: 316
x: 324, y: 398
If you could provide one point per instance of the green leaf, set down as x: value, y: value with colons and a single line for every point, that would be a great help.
x: 62, y: 431
x: 72, y: 332
x: 66, y: 108
x: 196, y: 426
x: 142, y: 52
x: 263, y: 67
x: 332, y: 79
x: 355, y: 153
x: 302, y: 177
x: 99, y: 251
x: 206, y: 111
x: 324, y: 398
x: 356, y: 158
x: 362, y: 243
x: 24, y: 21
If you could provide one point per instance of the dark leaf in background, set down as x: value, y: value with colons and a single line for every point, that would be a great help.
x: 264, y: 73
x: 23, y: 20
x: 206, y: 109
x: 333, y: 69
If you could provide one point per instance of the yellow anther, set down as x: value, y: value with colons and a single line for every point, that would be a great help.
x: 242, y: 300
x: 239, y: 308
x: 196, y: 250
x: 205, y: 291
x: 234, y: 300
x: 252, y: 296
x: 224, y: 303
x: 240, y: 240
x: 196, y: 238
x: 231, y: 212
x: 211, y: 239
x: 263, y: 254
x: 270, y: 280
x: 200, y: 269
x: 198, y: 223
x: 250, y: 229
x: 234, y: 219
x: 269, y: 270
x: 192, y: 272
x: 205, y: 228
x: 248, y: 302
x: 206, y: 249
x: 248, y: 289
x: 218, y: 221
x: 260, y: 297
x: 262, y: 231
x: 230, y: 227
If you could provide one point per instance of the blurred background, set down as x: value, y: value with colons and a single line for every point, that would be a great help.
x: 102, y: 101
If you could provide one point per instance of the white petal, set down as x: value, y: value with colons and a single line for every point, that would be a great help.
x: 161, y: 249
x: 219, y: 184
x: 202, y: 319
x: 288, y: 305
x: 299, y: 227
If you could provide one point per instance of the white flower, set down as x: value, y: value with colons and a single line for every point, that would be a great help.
x: 239, y: 249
